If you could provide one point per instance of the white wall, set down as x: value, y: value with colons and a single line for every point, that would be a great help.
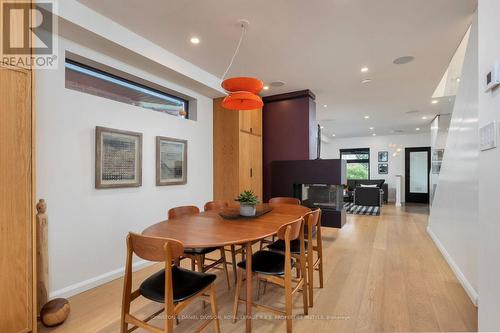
x: 489, y: 175
x: 376, y: 144
x: 87, y: 227
x: 453, y: 220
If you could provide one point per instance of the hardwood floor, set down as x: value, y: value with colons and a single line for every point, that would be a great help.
x: 382, y: 274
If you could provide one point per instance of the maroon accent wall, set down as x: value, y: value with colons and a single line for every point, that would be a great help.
x: 288, y: 131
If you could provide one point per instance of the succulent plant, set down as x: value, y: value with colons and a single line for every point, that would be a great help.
x: 247, y: 198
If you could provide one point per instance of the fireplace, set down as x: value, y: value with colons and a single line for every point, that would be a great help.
x: 317, y: 183
x: 322, y: 196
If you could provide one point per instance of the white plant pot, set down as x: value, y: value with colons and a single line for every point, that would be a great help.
x: 247, y: 210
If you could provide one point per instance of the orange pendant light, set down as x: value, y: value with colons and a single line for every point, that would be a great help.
x: 249, y: 84
x: 242, y: 90
x: 242, y: 93
x: 242, y: 100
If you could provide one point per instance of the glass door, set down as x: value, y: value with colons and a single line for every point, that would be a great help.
x: 417, y: 168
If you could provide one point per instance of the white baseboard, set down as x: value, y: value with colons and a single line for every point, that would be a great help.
x: 96, y: 281
x: 473, y: 295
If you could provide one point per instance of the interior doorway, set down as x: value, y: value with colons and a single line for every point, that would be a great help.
x: 417, y: 168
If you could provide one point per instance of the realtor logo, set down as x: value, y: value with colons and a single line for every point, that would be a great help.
x: 29, y: 34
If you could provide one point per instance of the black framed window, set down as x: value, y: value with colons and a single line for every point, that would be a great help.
x: 358, y: 162
x: 90, y: 80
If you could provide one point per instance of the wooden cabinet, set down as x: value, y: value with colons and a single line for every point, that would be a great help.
x: 16, y: 201
x: 237, y: 152
x: 251, y: 121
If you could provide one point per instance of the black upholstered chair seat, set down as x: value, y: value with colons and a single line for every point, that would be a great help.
x: 199, y: 250
x: 279, y: 245
x: 185, y: 284
x: 266, y: 262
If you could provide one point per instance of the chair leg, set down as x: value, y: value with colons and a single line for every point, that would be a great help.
x: 320, y: 255
x: 304, y: 284
x: 224, y: 263
x: 233, y: 260
x: 288, y: 305
x: 310, y: 276
x: 193, y: 266
x: 237, y: 293
x: 200, y: 260
x: 213, y: 304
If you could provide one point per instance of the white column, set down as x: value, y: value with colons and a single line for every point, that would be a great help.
x: 398, y: 190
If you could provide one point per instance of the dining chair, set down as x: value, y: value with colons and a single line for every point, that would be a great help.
x: 278, y: 200
x: 173, y: 286
x: 276, y: 268
x: 219, y: 205
x: 284, y: 200
x: 198, y: 255
x: 313, y: 227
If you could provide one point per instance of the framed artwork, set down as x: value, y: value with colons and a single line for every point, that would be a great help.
x: 383, y: 156
x: 383, y: 168
x: 118, y: 158
x: 171, y: 161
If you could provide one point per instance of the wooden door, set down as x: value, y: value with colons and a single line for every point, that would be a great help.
x: 245, y: 162
x: 16, y: 209
x: 256, y: 164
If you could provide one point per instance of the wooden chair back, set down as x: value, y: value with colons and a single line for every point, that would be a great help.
x: 154, y: 248
x: 182, y: 211
x: 294, y: 230
x: 284, y: 200
x: 312, y: 218
x: 216, y: 205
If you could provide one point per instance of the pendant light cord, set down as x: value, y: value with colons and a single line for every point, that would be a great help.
x: 243, y: 30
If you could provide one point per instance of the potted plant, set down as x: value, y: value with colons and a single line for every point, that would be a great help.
x: 248, y: 200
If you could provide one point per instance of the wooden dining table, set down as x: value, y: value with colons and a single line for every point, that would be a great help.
x: 209, y: 229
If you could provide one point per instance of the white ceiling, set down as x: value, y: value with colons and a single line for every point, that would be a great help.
x: 318, y: 45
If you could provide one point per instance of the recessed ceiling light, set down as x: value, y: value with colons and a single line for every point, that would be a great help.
x: 333, y: 134
x: 417, y: 129
x: 374, y: 134
x: 371, y: 128
x: 403, y: 60
x: 424, y: 117
x: 435, y: 101
x: 266, y: 88
x: 365, y: 81
x: 458, y: 79
x: 364, y: 69
x: 194, y: 40
x: 324, y: 105
x: 367, y: 117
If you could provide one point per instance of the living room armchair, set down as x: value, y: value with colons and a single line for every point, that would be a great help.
x: 367, y: 192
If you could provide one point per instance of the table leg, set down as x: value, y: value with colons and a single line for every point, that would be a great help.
x: 249, y: 294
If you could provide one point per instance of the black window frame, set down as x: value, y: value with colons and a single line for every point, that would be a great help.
x: 131, y: 82
x: 351, y: 151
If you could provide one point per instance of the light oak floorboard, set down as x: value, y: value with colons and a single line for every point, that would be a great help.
x: 382, y: 274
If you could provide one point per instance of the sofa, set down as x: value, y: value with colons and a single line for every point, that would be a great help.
x: 367, y: 192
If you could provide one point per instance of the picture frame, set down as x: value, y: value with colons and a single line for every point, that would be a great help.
x: 383, y: 168
x: 383, y: 156
x: 171, y: 161
x: 118, y: 158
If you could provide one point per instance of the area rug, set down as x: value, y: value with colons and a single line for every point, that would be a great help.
x: 351, y: 208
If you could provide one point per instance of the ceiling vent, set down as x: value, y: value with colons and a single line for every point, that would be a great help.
x: 403, y: 60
